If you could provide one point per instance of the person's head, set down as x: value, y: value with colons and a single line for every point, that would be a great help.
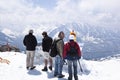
x: 44, y: 33
x: 30, y: 31
x: 71, y: 38
x: 61, y: 35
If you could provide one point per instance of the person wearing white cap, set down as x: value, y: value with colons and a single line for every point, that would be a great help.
x: 72, y: 53
x: 71, y: 37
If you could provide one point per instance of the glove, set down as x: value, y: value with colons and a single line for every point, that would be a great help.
x: 79, y: 57
x: 64, y: 62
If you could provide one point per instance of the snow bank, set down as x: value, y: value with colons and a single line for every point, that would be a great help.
x: 92, y: 70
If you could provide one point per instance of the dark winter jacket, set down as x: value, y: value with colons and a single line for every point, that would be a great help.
x: 30, y: 42
x: 67, y: 48
x: 46, y: 43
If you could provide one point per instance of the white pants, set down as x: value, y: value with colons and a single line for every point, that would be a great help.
x: 30, y: 58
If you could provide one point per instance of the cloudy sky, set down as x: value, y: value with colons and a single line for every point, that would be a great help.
x: 20, y: 14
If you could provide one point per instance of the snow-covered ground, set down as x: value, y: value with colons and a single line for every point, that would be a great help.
x: 93, y: 70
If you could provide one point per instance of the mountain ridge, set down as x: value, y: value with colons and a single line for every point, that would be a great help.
x: 98, y: 41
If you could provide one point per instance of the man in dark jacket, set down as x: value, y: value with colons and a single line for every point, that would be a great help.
x: 30, y: 42
x: 72, y: 56
x: 46, y: 45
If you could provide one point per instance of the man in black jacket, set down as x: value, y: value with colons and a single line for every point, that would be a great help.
x: 46, y: 45
x: 30, y: 42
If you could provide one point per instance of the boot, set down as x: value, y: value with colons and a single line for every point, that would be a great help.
x: 32, y: 67
x: 27, y: 68
x: 61, y: 76
x: 45, y: 69
x: 69, y: 78
x: 76, y: 77
x: 50, y: 67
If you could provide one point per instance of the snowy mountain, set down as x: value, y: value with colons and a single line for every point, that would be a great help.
x: 11, y: 38
x: 4, y: 38
x: 98, y: 41
x: 92, y: 70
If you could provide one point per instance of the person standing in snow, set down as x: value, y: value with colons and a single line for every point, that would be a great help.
x: 72, y: 53
x: 46, y: 45
x: 30, y: 42
x: 58, y: 58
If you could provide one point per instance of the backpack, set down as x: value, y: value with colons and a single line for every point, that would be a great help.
x: 53, y: 51
x: 72, y: 53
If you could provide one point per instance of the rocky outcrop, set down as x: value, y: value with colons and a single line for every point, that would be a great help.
x: 4, y: 48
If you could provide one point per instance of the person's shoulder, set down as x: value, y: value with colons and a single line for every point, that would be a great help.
x: 56, y: 38
x: 49, y: 37
x: 72, y: 42
x: 34, y: 36
x: 76, y: 43
x: 26, y: 35
x: 67, y: 43
x: 60, y: 40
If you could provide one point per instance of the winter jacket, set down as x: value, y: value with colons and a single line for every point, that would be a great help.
x: 46, y: 43
x: 60, y: 47
x: 30, y: 42
x: 67, y: 48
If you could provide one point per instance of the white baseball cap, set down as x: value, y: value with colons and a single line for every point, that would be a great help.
x: 71, y: 37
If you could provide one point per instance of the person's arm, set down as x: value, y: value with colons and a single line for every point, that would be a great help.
x: 35, y: 41
x: 79, y: 51
x: 24, y: 41
x: 65, y: 51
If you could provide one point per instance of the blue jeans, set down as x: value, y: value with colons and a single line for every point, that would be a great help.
x: 58, y: 65
x: 74, y: 64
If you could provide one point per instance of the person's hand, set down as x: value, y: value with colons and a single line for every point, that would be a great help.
x: 79, y: 57
x: 64, y: 62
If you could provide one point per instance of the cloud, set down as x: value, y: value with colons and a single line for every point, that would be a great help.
x: 90, y: 11
x: 21, y: 13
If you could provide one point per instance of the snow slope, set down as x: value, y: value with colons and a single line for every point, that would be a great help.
x: 93, y: 70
